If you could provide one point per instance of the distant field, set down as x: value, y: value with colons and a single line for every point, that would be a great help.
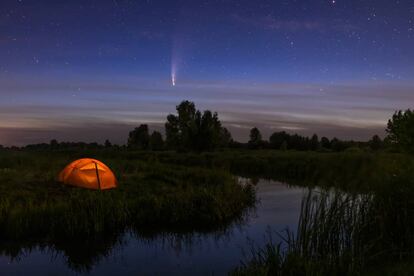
x: 351, y: 171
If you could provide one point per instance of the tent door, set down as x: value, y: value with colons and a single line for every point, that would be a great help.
x: 97, y: 176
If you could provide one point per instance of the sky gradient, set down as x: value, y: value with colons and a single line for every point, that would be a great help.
x: 93, y: 70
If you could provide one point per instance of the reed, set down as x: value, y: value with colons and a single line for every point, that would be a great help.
x: 342, y: 234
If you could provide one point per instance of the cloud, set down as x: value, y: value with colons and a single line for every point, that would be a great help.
x: 37, y: 110
x: 96, y: 132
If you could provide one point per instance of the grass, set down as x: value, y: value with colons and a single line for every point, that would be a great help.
x: 151, y: 195
x: 350, y: 171
x: 344, y: 234
x: 339, y: 234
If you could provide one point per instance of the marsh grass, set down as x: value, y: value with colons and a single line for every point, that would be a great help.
x: 342, y: 234
x: 350, y: 171
x: 150, y: 195
x: 338, y: 234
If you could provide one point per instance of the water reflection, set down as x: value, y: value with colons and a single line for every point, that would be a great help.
x: 166, y: 253
x: 78, y: 255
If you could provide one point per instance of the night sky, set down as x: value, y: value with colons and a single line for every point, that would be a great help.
x: 92, y: 70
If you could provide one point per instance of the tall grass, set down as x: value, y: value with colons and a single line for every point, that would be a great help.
x: 351, y: 171
x: 342, y: 234
x: 338, y: 234
x: 150, y: 195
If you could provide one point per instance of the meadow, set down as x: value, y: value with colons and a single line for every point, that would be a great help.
x: 365, y: 219
x: 361, y: 171
x: 150, y: 196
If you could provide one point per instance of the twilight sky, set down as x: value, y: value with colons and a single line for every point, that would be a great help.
x: 88, y: 70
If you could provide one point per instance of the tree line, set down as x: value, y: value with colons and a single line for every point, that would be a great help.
x: 285, y: 141
x: 188, y: 130
x: 195, y: 130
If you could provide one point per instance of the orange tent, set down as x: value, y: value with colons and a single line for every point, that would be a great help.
x: 88, y: 173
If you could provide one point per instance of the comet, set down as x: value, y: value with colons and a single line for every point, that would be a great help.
x: 174, y: 64
x: 177, y: 50
x: 173, y: 77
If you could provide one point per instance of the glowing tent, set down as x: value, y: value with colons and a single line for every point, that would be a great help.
x: 88, y: 173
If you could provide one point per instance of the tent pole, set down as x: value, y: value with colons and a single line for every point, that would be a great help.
x: 97, y: 176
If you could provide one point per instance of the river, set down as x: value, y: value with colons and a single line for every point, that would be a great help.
x: 215, y: 253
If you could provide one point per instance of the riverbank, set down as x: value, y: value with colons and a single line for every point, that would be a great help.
x: 350, y: 171
x: 179, y: 192
x: 189, y: 253
x: 150, y: 196
x: 365, y: 233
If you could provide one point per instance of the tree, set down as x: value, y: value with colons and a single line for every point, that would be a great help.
x: 139, y: 138
x: 186, y: 122
x: 297, y: 142
x: 325, y: 143
x: 156, y: 141
x: 54, y: 144
x: 172, y: 132
x: 192, y: 129
x: 255, y: 138
x: 284, y: 146
x: 400, y: 130
x: 375, y: 143
x: 314, y: 142
x: 179, y: 129
x: 107, y: 144
x: 225, y: 137
x: 208, y: 131
x: 277, y: 138
x: 337, y: 145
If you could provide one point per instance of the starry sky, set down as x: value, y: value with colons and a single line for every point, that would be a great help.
x: 91, y: 70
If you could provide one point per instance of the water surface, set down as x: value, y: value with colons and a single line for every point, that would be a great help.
x: 197, y: 253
